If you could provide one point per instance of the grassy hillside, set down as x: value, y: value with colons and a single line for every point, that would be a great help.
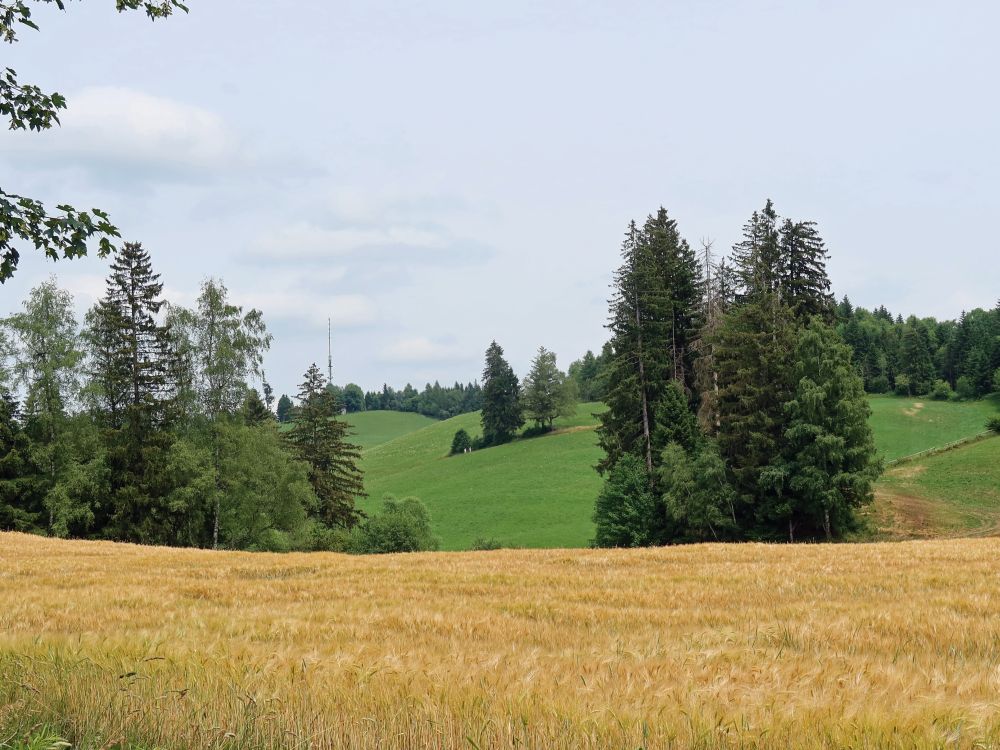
x: 706, y: 646
x: 536, y: 492
x: 904, y: 426
x: 952, y: 493
x: 373, y: 428
x: 540, y: 492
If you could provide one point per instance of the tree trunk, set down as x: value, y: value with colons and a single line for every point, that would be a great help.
x: 642, y: 389
x: 826, y: 523
x: 791, y: 530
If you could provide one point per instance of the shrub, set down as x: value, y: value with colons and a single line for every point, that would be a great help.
x: 964, y: 388
x: 996, y: 381
x: 484, y: 545
x: 402, y: 526
x: 536, y: 431
x: 993, y: 424
x: 879, y: 384
x: 941, y: 391
x: 461, y: 442
x: 903, y: 386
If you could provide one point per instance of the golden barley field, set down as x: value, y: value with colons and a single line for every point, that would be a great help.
x: 743, y: 646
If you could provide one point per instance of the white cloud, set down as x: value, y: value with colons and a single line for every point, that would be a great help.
x: 308, y: 240
x: 108, y: 129
x: 344, y: 310
x: 421, y: 349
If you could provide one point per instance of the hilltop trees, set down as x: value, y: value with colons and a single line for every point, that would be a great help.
x: 285, y: 408
x: 319, y: 438
x: 828, y: 464
x: 502, y: 415
x: 782, y: 448
x: 654, y: 316
x: 547, y: 393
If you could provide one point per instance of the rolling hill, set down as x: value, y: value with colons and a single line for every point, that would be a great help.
x: 371, y: 428
x: 540, y: 492
x: 536, y: 492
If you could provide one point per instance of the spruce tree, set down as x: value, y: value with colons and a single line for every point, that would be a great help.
x: 654, y: 320
x: 255, y: 411
x: 547, y: 393
x: 627, y: 513
x: 502, y: 414
x: 320, y: 439
x: 757, y: 257
x: 132, y: 366
x: 753, y: 349
x: 828, y: 463
x: 285, y: 408
x: 20, y: 481
x: 916, y: 355
x: 805, y: 286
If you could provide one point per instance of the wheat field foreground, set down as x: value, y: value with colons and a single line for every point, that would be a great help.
x: 881, y: 645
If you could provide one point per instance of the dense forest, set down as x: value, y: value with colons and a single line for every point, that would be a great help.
x: 436, y: 401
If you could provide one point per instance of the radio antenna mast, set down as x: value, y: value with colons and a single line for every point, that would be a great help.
x: 329, y: 351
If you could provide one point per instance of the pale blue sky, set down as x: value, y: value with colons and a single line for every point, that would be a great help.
x: 436, y: 175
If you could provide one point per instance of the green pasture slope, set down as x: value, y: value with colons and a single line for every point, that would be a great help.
x: 540, y: 492
x: 371, y: 428
x: 535, y: 492
x: 957, y: 492
x: 904, y: 426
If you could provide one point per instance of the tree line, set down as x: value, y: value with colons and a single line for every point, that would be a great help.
x: 142, y: 425
x: 923, y: 356
x: 734, y: 407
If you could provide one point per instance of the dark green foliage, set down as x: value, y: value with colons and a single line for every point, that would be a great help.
x: 916, y: 358
x: 627, y: 512
x: 805, y: 286
x: 254, y: 412
x: 941, y: 391
x: 753, y: 349
x: 787, y: 262
x: 320, y: 439
x: 285, y: 408
x: 20, y: 498
x: 546, y: 392
x: 401, y: 526
x: 461, y: 443
x: 67, y: 231
x: 675, y: 422
x: 435, y: 401
x: 502, y: 416
x: 828, y: 462
x: 133, y: 399
x: 590, y: 374
x: 654, y: 322
x: 353, y: 398
x: 963, y: 353
x: 699, y: 501
x: 993, y: 424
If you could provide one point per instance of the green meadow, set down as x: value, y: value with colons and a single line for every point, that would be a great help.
x: 539, y: 492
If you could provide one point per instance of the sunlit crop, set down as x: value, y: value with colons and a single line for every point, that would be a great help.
x: 881, y: 645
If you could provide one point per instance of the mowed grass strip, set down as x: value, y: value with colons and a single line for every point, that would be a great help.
x: 904, y: 426
x: 708, y: 646
x: 955, y: 492
x: 371, y: 428
x: 533, y: 492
